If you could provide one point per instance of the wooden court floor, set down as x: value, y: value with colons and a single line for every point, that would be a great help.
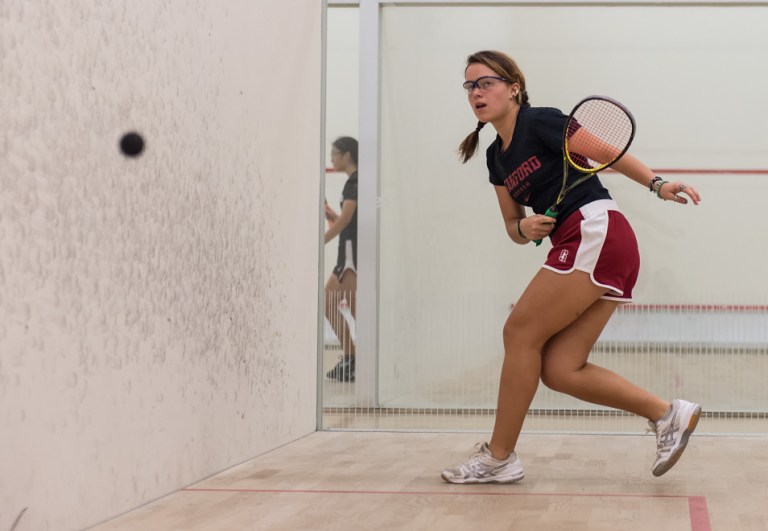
x: 390, y: 481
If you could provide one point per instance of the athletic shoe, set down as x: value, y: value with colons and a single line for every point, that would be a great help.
x: 482, y: 467
x: 344, y: 371
x: 672, y: 433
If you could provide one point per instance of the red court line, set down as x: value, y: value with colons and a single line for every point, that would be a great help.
x: 442, y: 493
x: 697, y: 505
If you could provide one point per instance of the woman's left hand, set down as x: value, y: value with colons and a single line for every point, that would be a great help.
x: 671, y: 192
x: 330, y: 214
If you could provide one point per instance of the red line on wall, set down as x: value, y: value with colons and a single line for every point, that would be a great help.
x: 696, y: 307
x: 713, y: 171
x: 690, y: 307
x: 692, y: 171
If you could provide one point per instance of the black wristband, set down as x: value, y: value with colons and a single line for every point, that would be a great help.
x: 520, y: 232
x: 652, y: 184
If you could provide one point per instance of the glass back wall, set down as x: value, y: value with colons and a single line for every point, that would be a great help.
x: 448, y: 271
x: 342, y: 102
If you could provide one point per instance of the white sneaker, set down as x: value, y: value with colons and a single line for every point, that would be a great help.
x: 672, y: 433
x: 482, y: 467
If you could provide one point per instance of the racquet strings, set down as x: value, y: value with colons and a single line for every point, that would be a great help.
x: 610, y: 130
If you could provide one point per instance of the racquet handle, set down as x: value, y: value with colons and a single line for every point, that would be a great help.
x: 551, y: 214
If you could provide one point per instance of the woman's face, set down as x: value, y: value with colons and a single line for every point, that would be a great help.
x: 493, y: 98
x: 338, y: 159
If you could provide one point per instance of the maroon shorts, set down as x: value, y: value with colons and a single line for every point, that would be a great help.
x: 598, y: 240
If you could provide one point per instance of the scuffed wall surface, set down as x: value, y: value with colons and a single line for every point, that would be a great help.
x: 158, y: 314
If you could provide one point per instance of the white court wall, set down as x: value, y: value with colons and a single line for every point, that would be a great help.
x: 157, y: 315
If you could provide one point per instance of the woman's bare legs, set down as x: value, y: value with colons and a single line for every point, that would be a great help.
x: 552, y: 304
x: 335, y: 291
x: 565, y: 367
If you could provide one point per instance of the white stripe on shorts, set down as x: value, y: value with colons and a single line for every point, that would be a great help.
x: 594, y: 228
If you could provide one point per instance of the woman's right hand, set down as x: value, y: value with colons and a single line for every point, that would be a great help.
x: 537, y: 226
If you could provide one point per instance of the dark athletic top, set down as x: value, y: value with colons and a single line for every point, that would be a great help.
x: 532, y: 166
x: 349, y: 233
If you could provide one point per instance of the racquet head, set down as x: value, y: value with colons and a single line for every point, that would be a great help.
x: 597, y: 133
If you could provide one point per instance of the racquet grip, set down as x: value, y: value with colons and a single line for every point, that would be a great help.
x: 551, y: 214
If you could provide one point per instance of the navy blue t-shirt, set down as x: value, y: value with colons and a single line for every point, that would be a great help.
x: 532, y: 166
x: 349, y: 233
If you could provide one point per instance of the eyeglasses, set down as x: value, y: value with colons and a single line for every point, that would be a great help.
x: 484, y: 83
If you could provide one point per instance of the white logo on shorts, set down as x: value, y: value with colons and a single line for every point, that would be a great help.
x: 563, y: 255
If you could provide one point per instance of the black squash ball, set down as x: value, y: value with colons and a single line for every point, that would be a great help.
x: 132, y: 144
